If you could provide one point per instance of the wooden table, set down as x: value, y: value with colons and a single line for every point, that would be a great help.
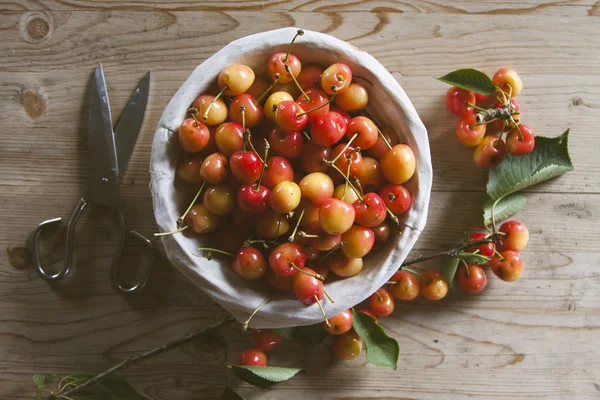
x: 537, y: 338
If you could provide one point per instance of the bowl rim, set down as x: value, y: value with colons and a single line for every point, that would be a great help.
x: 162, y: 166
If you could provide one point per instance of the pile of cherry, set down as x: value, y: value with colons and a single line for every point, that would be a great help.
x: 492, y: 123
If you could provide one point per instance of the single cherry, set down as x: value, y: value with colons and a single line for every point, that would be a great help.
x: 278, y: 170
x: 312, y: 156
x: 317, y: 187
x: 274, y: 100
x: 370, y: 211
x: 349, y: 155
x: 272, y: 225
x: 336, y: 216
x: 317, y: 102
x: 214, y: 168
x: 286, y: 144
x: 468, y: 132
x: 490, y: 152
x: 340, y: 323
x: 507, y: 266
x: 201, y: 219
x: 308, y: 289
x: 396, y: 197
x: 252, y: 358
x: 229, y: 137
x: 285, y: 197
x: 355, y: 98
x: 370, y: 175
x: 398, y: 164
x: 284, y: 255
x: 237, y: 77
x: 433, y: 285
x: 310, y: 76
x: 381, y: 303
x: 249, y: 263
x: 266, y: 339
x: 486, y: 250
x: 188, y: 170
x: 328, y: 129
x: 289, y: 116
x: 336, y: 75
x: 471, y: 278
x: 508, y: 80
x: 365, y: 129
x: 246, y: 166
x: 347, y: 346
x: 358, y: 241
x: 515, y: 238
x: 253, y: 198
x: 193, y: 136
x: 220, y: 199
x: 381, y: 147
x: 460, y: 101
x: 209, y: 110
x: 244, y: 108
x: 520, y: 141
x: 343, y: 266
x: 404, y: 286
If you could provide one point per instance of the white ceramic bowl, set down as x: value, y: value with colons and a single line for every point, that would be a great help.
x: 389, y: 105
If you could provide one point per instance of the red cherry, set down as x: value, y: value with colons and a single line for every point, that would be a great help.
x: 289, y: 116
x: 251, y: 198
x: 509, y: 268
x: 277, y: 63
x: 310, y: 76
x: 342, y: 161
x: 367, y: 132
x: 381, y: 303
x: 284, y: 255
x: 286, y: 144
x: 487, y: 250
x: 520, y: 143
x: 317, y: 98
x: 193, y: 136
x: 328, y: 129
x: 471, y: 278
x: 371, y: 211
x: 253, y: 114
x: 342, y: 112
x: 246, y: 166
x: 340, y: 323
x: 312, y: 156
x: 266, y: 339
x: 249, y: 263
x: 252, y: 358
x: 396, y: 197
x: 480, y: 98
x: 307, y: 288
x: 278, y: 170
x: 457, y: 101
x: 406, y: 287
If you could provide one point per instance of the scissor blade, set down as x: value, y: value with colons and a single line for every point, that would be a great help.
x: 104, y: 168
x: 128, y: 128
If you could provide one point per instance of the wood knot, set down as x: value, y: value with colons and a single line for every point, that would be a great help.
x: 577, y: 101
x: 35, y: 27
x: 19, y: 257
x: 34, y: 103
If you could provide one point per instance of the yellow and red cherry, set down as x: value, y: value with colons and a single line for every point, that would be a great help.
x: 381, y: 303
x: 520, y: 141
x: 272, y: 226
x: 328, y: 129
x: 289, y: 116
x: 396, y: 197
x: 229, y: 137
x: 220, y: 199
x: 284, y: 284
x: 214, y: 168
x: 469, y: 132
x: 345, y: 267
x: 277, y: 63
x: 307, y: 288
x: 252, y: 358
x: 358, y: 241
x: 489, y: 152
x: 405, y: 286
x: 237, y: 77
x: 347, y: 346
x: 350, y: 155
x: 253, y: 112
x: 486, y: 250
x: 370, y: 211
x: 398, y: 164
x: 246, y: 166
x: 317, y: 187
x: 355, y: 98
x: 312, y: 157
x: 339, y: 324
x: 287, y: 144
x: 285, y: 197
x: 278, y: 170
x: 212, y: 108
x: 381, y: 146
x: 286, y: 258
x: 336, y: 75
x: 201, y: 219
x: 316, y: 105
x: 508, y: 80
x: 471, y: 278
x: 460, y: 101
x: 253, y: 198
x: 193, y: 136
x: 508, y: 266
x: 382, y: 234
x: 310, y: 76
x: 310, y: 220
x: 249, y: 264
x: 266, y: 339
x: 370, y: 175
x: 336, y: 216
x: 345, y: 193
x: 367, y: 132
x: 324, y: 242
x: 433, y: 286
x: 273, y: 100
x: 188, y: 170
x: 515, y: 238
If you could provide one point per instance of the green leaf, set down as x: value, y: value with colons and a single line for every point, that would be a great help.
x: 473, y: 258
x: 549, y: 158
x: 229, y: 394
x: 264, y: 377
x: 40, y: 380
x: 505, y: 208
x: 382, y: 350
x: 470, y: 79
x: 309, y: 335
x: 51, y: 378
x: 450, y: 270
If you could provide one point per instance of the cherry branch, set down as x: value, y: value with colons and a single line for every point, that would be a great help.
x: 452, y: 252
x: 137, y: 359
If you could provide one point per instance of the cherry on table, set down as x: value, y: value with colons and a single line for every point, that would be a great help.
x: 284, y: 255
x: 237, y: 77
x: 458, y: 100
x: 193, y: 136
x: 249, y: 264
x: 336, y: 216
x: 286, y: 144
x: 254, y: 198
x: 468, y: 132
x: 398, y: 164
x: 214, y: 168
x: 252, y: 358
x: 340, y: 323
x: 508, y: 80
x: 396, y: 197
x: 520, y: 141
x: 433, y: 286
x: 516, y: 236
x: 278, y: 170
x: 508, y: 266
x: 188, y: 170
x: 381, y: 303
x: 471, y: 278
x: 358, y: 241
x: 210, y: 107
x: 486, y: 250
x: 328, y: 129
x: 490, y: 152
x: 229, y: 137
x: 347, y: 346
x: 370, y: 211
x: 405, y: 286
x: 266, y: 339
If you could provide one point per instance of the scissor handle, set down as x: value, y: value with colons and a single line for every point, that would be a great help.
x: 116, y: 263
x: 69, y: 243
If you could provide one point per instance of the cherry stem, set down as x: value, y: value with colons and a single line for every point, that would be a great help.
x: 278, y: 226
x: 247, y: 322
x: 264, y: 165
x: 476, y: 107
x: 328, y: 296
x: 293, y: 235
x: 243, y: 112
x: 299, y: 32
x: 253, y: 241
x: 180, y: 220
x: 414, y: 272
x: 358, y: 185
x: 327, y: 324
x: 346, y: 184
x: 248, y: 138
x: 306, y: 135
x: 379, y: 297
x: 262, y: 96
x: 334, y: 89
x: 289, y: 71
x: 498, y: 254
x: 307, y: 235
x: 452, y: 252
x: 216, y: 251
x: 466, y: 267
x: 381, y: 135
x: 391, y: 283
x: 343, y: 150
x: 348, y: 181
x: 316, y: 276
x: 330, y: 252
x: 205, y: 115
x: 183, y: 228
x: 193, y: 111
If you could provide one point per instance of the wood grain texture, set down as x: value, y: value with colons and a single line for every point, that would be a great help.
x: 528, y: 340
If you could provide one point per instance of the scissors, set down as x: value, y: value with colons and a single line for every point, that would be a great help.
x: 109, y: 152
